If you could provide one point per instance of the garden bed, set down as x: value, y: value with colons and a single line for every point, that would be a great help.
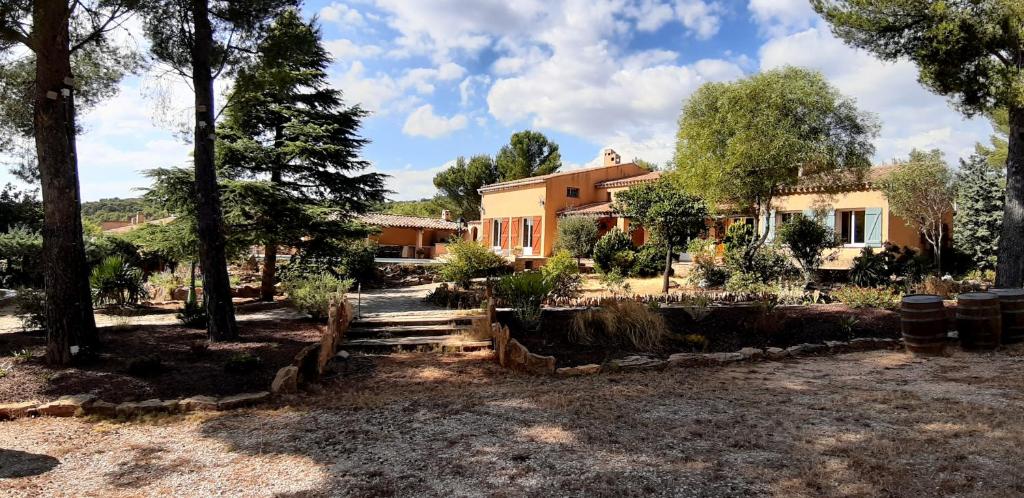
x: 188, y: 364
x: 723, y: 329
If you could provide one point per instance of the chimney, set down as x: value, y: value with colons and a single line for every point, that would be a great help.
x: 446, y: 215
x: 611, y: 158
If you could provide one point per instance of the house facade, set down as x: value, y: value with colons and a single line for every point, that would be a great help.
x: 519, y: 219
x: 411, y: 236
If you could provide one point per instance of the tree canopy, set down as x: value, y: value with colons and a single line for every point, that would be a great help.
x: 672, y: 216
x: 921, y: 191
x: 979, y: 211
x: 528, y: 153
x: 460, y: 183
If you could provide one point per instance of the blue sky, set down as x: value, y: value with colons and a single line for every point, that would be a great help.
x: 445, y: 78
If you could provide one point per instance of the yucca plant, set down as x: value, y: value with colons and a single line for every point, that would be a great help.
x: 115, y: 281
x: 525, y: 292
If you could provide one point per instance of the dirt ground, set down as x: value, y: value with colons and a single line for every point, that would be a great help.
x: 863, y: 424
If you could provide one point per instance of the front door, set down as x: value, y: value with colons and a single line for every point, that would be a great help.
x: 527, y: 235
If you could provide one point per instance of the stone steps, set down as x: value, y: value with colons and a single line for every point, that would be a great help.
x: 390, y: 331
x: 443, y: 343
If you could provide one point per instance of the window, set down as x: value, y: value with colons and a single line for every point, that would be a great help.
x: 496, y: 233
x: 527, y: 232
x: 786, y: 218
x: 851, y: 227
x: 573, y: 192
x: 743, y: 219
x: 609, y: 196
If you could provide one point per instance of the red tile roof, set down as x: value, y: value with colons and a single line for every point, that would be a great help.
x: 630, y: 180
x: 400, y: 221
x: 845, y: 181
x: 594, y: 209
x: 541, y: 179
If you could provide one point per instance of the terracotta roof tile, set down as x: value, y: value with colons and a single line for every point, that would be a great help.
x: 630, y: 180
x: 594, y: 209
x: 540, y: 179
x: 401, y: 221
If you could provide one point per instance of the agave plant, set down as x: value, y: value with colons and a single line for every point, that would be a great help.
x: 116, y: 282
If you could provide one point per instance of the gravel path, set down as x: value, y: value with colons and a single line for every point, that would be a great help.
x: 401, y: 300
x: 862, y: 424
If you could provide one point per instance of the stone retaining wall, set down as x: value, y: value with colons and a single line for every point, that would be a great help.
x: 82, y: 405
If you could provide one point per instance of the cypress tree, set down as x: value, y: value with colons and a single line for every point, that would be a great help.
x: 979, y: 216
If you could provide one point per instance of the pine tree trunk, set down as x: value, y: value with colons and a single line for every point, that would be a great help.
x: 69, y: 317
x: 668, y: 267
x: 1010, y: 266
x: 216, y: 286
x: 269, y: 272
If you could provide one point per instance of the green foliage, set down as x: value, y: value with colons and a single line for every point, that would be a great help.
x: 979, y: 211
x: 576, y: 234
x: 622, y: 324
x: 20, y: 208
x: 807, y: 240
x: 31, y: 306
x: 118, y: 209
x: 869, y: 269
x: 21, y: 249
x: 766, y: 265
x: 166, y: 281
x: 423, y: 208
x: 562, y: 271
x: 614, y: 251
x: 460, y: 183
x: 893, y: 266
x: 868, y: 297
x: 468, y: 260
x: 525, y: 292
x: 738, y: 237
x: 528, y: 153
x: 741, y: 142
x: 705, y: 271
x: 193, y: 315
x: 243, y: 363
x: 921, y: 192
x: 649, y: 260
x: 313, y: 294
x: 450, y: 297
x: 749, y: 283
x: 116, y: 281
x: 100, y: 248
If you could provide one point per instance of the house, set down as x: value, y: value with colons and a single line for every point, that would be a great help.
x: 519, y: 218
x: 411, y: 236
x: 137, y: 221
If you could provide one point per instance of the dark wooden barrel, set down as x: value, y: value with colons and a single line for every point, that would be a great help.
x: 923, y: 322
x: 1011, y: 307
x: 977, y: 320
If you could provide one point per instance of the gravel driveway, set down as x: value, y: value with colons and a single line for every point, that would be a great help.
x: 862, y: 424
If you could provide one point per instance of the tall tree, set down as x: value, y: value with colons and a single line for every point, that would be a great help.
x: 672, y: 216
x: 970, y: 51
x: 979, y: 211
x: 53, y: 31
x: 201, y: 39
x: 461, y: 183
x: 742, y: 142
x: 528, y: 153
x: 921, y: 191
x: 288, y: 126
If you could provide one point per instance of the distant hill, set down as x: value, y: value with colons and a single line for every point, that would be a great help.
x: 117, y: 209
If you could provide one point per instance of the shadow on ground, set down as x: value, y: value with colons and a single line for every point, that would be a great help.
x: 15, y: 464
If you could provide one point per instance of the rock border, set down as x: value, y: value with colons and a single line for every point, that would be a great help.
x: 84, y: 405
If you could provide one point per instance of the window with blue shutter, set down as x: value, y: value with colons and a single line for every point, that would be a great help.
x: 873, y: 225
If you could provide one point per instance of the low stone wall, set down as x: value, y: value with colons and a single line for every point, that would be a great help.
x: 316, y: 360
x: 510, y: 353
x: 82, y: 405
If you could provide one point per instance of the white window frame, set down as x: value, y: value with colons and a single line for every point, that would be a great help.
x: 853, y: 227
x: 779, y: 216
x: 526, y: 236
x: 496, y: 234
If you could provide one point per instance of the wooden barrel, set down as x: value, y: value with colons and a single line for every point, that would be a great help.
x: 923, y: 322
x: 1011, y: 307
x: 978, y: 321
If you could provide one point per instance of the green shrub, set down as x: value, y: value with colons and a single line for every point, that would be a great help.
x: 562, y: 271
x: 649, y: 260
x: 525, y: 292
x: 313, y: 294
x: 748, y: 283
x: 767, y: 265
x: 614, y: 251
x: 807, y: 240
x: 193, y: 315
x: 869, y: 269
x: 115, y: 281
x: 620, y: 323
x: 351, y: 259
x: 240, y: 363
x: 450, y: 297
x: 468, y: 260
x: 21, y: 248
x: 31, y: 306
x: 868, y: 297
x: 167, y: 282
x: 705, y: 271
x: 738, y: 237
x: 576, y: 234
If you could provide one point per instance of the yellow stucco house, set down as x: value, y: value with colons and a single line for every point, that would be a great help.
x: 519, y: 218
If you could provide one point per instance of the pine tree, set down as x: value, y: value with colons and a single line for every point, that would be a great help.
x: 979, y: 216
x: 290, y: 132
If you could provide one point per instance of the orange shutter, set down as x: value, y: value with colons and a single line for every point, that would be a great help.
x: 517, y: 232
x: 487, y: 233
x: 536, y: 237
x: 504, y: 233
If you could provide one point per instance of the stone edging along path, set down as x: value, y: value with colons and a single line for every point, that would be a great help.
x: 81, y: 405
x: 512, y: 354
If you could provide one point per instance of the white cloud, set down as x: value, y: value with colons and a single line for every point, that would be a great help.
x: 702, y: 18
x: 343, y: 50
x: 342, y: 14
x: 778, y: 17
x: 651, y: 15
x: 467, y: 88
x: 424, y: 123
x: 911, y: 115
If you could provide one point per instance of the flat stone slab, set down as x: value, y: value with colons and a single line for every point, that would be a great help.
x: 806, y: 349
x: 689, y: 360
x: 637, y: 362
x: 67, y: 406
x: 445, y: 341
x: 10, y: 411
x: 408, y: 330
x: 752, y: 354
x: 776, y: 353
x: 198, y: 404
x: 589, y: 369
x: 240, y: 400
